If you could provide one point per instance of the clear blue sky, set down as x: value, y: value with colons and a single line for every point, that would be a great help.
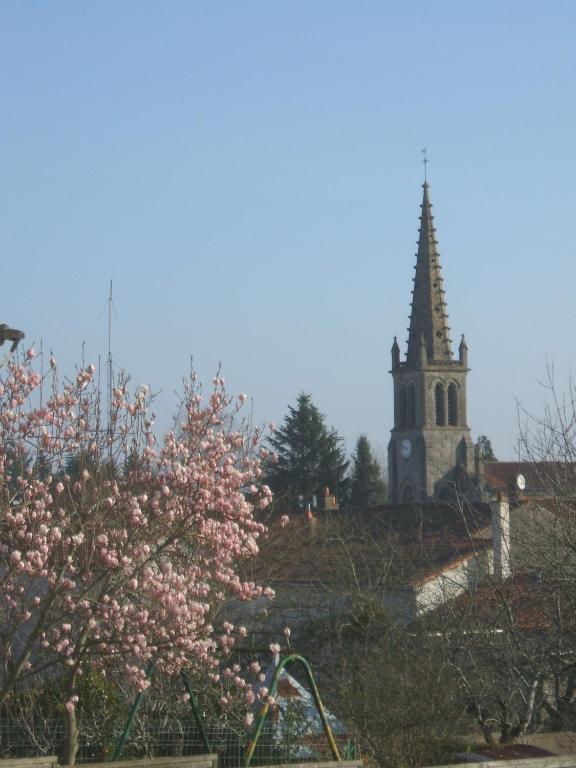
x: 248, y: 173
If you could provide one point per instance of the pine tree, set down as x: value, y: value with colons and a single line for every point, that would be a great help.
x: 310, y: 457
x: 483, y: 448
x: 367, y: 484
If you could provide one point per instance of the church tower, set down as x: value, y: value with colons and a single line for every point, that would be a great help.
x: 430, y: 447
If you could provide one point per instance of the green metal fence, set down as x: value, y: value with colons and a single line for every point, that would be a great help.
x: 161, y: 737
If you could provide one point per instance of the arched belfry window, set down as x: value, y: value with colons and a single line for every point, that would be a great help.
x: 439, y: 400
x: 403, y: 408
x: 411, y: 406
x: 452, y: 405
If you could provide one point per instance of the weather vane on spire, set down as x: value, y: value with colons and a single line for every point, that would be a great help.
x: 425, y: 161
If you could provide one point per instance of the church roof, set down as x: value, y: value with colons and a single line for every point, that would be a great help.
x: 429, y: 317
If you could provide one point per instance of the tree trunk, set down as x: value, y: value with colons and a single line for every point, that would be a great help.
x: 71, y: 742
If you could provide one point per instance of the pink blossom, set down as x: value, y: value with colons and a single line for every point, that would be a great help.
x: 249, y: 719
x: 137, y: 532
x: 284, y: 520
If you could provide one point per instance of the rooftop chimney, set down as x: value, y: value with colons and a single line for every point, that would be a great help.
x: 500, y: 510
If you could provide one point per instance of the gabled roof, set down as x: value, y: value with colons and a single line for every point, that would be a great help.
x: 523, y: 602
x: 542, y: 478
x: 396, y: 545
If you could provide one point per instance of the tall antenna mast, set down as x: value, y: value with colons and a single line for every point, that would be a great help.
x: 110, y: 377
x: 41, y: 372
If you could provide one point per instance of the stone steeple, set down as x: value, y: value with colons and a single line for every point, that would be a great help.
x: 430, y: 450
x: 428, y: 319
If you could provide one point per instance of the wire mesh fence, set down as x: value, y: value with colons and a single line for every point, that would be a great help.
x: 166, y: 737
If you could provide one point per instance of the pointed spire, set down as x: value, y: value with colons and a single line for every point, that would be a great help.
x: 395, y: 354
x: 463, y: 353
x: 429, y: 317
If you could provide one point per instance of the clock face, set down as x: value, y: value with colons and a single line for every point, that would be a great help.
x: 406, y: 448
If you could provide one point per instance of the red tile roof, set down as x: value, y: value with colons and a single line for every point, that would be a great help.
x: 403, y: 544
x: 525, y: 602
x: 542, y: 478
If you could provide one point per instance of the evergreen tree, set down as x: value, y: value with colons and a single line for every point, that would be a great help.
x: 310, y: 457
x: 367, y: 484
x: 483, y: 448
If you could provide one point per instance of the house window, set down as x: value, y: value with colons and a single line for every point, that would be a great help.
x: 439, y: 397
x: 452, y: 405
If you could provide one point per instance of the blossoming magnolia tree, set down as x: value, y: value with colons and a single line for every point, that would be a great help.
x: 123, y: 560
